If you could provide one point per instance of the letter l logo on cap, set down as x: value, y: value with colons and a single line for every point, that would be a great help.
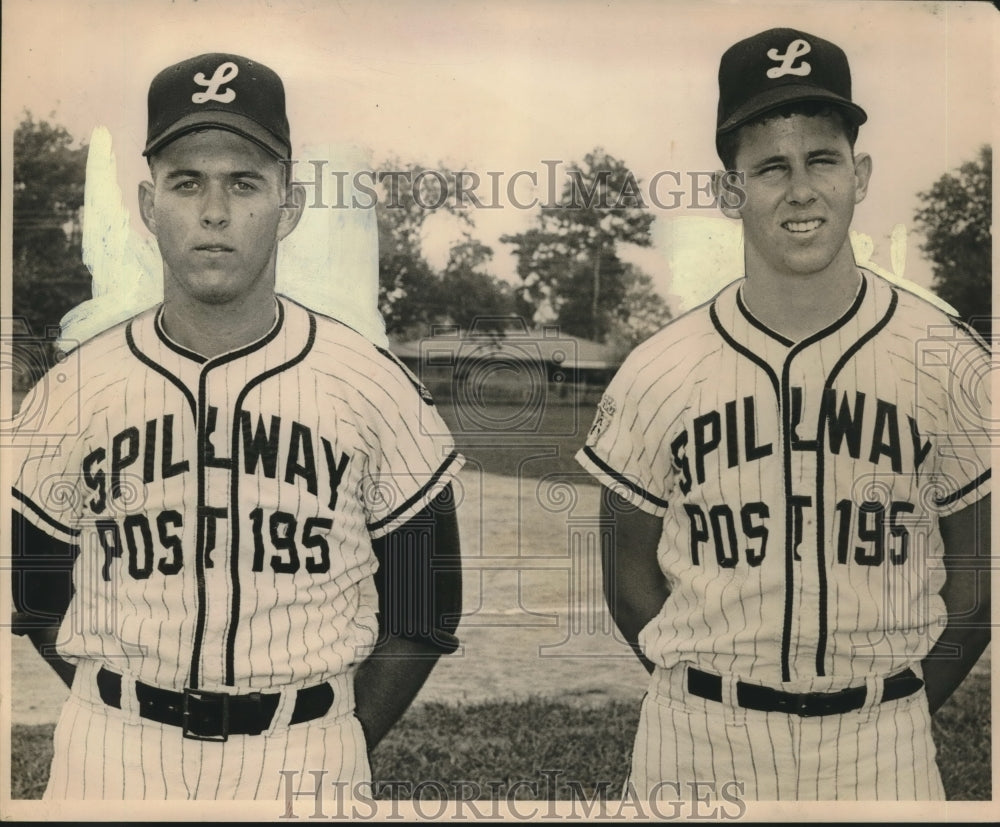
x: 225, y: 73
x: 796, y: 49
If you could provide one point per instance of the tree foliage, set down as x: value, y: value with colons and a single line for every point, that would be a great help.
x: 640, y: 315
x: 409, y: 290
x: 570, y: 261
x: 49, y: 276
x: 49, y: 175
x: 472, y: 297
x: 956, y: 221
x: 412, y: 294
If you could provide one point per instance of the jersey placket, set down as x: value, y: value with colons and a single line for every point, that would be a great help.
x: 771, y: 353
x: 802, y: 393
x: 807, y: 366
x: 214, y: 588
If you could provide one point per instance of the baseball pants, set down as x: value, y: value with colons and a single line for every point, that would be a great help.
x: 882, y: 751
x: 101, y: 752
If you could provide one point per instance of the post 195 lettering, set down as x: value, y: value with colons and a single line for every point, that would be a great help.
x: 852, y: 422
x: 272, y: 448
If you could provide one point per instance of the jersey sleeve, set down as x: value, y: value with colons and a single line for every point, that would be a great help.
x: 44, y: 455
x: 41, y: 452
x: 41, y: 576
x: 959, y: 369
x: 413, y: 455
x: 620, y: 450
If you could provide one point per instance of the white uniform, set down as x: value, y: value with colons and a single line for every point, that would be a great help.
x: 800, y: 486
x: 224, y: 510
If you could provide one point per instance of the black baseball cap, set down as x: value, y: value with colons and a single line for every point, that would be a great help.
x: 219, y: 91
x: 780, y: 66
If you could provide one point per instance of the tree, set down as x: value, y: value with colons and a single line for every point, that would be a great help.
x: 472, y: 297
x: 956, y: 221
x: 49, y: 276
x: 641, y: 314
x: 408, y: 288
x: 412, y: 295
x: 570, y: 261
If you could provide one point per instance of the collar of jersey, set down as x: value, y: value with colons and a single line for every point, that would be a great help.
x: 852, y: 308
x: 242, y: 350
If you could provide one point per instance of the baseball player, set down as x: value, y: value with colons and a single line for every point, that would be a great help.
x: 233, y: 537
x: 800, y: 509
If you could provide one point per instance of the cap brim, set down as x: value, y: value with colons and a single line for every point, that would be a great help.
x: 782, y: 95
x: 214, y: 119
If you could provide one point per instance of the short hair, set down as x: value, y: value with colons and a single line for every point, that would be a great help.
x: 728, y: 143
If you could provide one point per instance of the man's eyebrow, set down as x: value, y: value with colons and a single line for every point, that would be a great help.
x: 194, y: 173
x: 778, y: 158
x: 182, y: 173
x: 772, y: 159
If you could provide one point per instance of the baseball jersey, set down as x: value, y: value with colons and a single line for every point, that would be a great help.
x: 225, y: 508
x: 800, y: 483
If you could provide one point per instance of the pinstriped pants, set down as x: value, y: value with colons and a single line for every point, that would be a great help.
x: 111, y: 754
x: 883, y: 751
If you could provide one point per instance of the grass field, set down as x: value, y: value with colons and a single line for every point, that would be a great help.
x: 544, y: 749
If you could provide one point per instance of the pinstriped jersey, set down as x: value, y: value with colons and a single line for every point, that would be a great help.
x: 801, y: 484
x: 225, y: 508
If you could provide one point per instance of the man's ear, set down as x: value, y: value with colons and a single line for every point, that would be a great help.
x: 291, y: 210
x: 862, y: 175
x: 727, y: 187
x: 146, y: 198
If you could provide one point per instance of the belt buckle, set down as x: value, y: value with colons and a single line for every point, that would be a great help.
x: 815, y: 704
x: 807, y: 704
x: 220, y: 700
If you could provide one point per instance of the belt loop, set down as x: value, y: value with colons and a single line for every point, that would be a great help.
x: 130, y: 701
x: 121, y: 685
x: 283, y: 714
x: 735, y: 714
x: 874, y: 685
x: 668, y: 682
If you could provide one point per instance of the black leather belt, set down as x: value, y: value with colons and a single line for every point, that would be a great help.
x: 214, y: 716
x: 806, y: 704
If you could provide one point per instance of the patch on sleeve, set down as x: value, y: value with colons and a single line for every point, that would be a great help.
x: 605, y: 413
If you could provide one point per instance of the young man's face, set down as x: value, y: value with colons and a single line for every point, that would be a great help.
x: 215, y: 209
x: 801, y: 187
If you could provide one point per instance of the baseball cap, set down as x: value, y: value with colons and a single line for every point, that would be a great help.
x: 220, y: 91
x: 780, y: 66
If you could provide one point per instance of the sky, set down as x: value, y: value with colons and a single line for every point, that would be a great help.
x: 502, y: 87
